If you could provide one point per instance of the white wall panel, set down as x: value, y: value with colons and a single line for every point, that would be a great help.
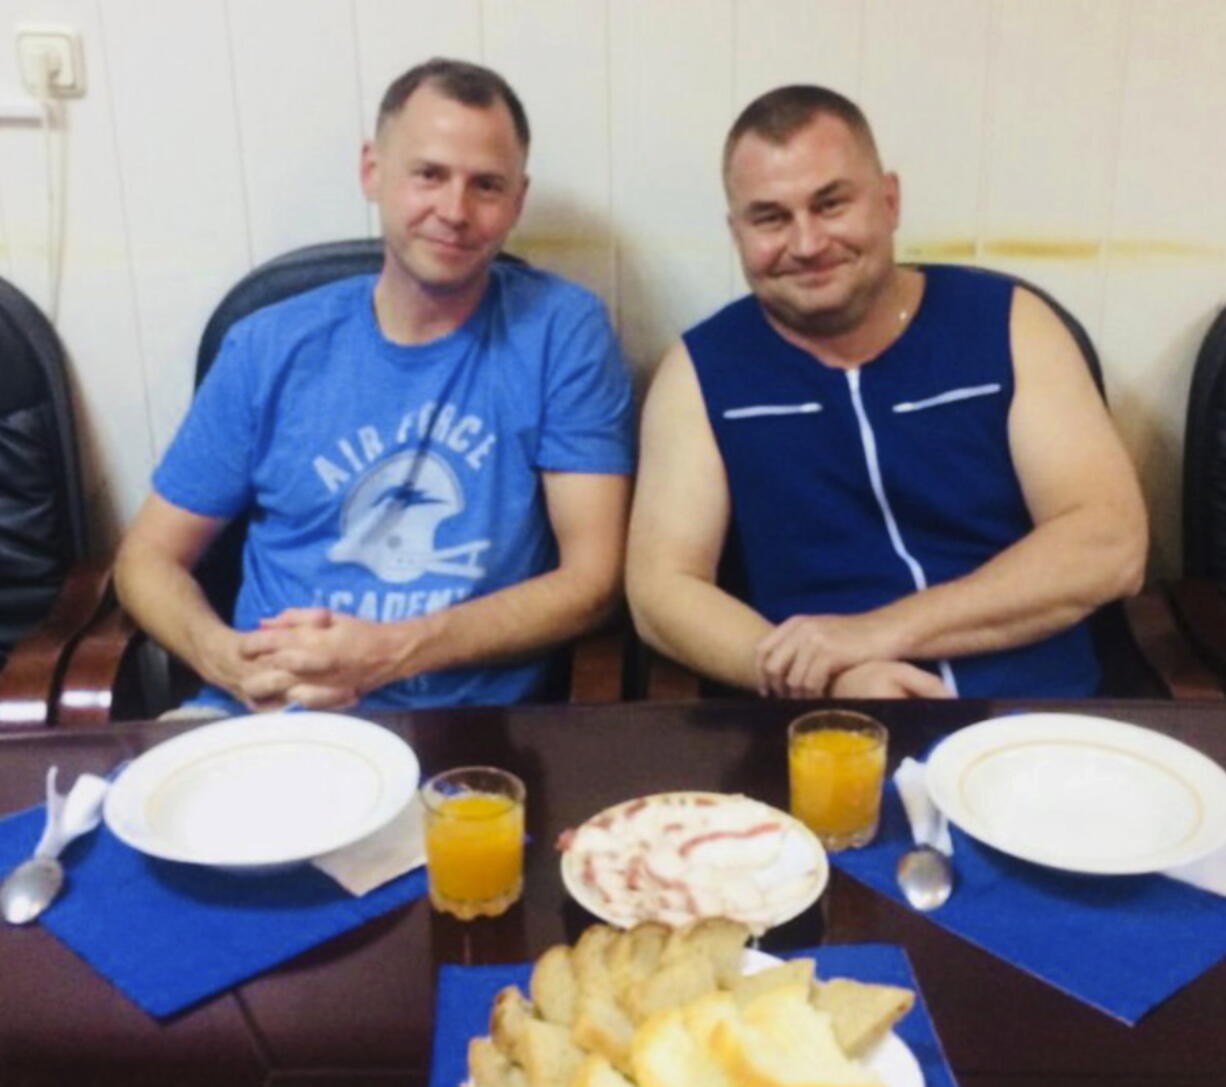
x: 97, y: 319
x: 1166, y: 252
x: 179, y: 156
x: 1055, y: 78
x: 671, y: 67
x: 796, y: 41
x: 394, y: 35
x: 566, y: 226
x: 924, y: 84
x: 295, y: 65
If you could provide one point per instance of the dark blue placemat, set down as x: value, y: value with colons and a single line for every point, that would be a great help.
x: 1120, y: 943
x: 465, y: 994
x: 169, y: 935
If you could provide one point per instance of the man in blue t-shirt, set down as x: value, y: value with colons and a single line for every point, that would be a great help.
x: 917, y: 476
x: 435, y: 459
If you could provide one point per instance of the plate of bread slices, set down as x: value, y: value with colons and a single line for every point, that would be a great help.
x: 658, y: 1007
x: 680, y: 856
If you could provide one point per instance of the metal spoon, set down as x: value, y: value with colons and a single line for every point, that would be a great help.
x: 925, y: 877
x: 30, y: 889
x: 32, y: 886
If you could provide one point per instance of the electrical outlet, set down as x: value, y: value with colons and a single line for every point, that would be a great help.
x: 61, y: 47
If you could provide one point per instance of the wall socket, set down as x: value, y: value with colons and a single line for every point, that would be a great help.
x: 37, y: 43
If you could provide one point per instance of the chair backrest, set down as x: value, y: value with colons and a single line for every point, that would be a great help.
x: 1204, y: 462
x: 282, y: 277
x: 42, y: 505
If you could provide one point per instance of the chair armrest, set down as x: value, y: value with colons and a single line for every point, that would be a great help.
x: 34, y: 667
x: 1158, y: 630
x: 100, y: 666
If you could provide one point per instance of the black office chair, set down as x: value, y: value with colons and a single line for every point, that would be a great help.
x: 592, y: 672
x: 1140, y: 647
x: 1199, y: 597
x: 49, y: 591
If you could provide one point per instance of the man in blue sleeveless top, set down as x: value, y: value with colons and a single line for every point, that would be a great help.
x: 911, y: 467
x: 436, y: 459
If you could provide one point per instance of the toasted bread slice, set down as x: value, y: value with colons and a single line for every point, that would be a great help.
x: 602, y: 1027
x: 666, y: 1054
x: 595, y: 1071
x: 745, y: 988
x: 860, y: 1013
x: 551, y: 1059
x: 509, y: 1020
x: 686, y: 977
x: 635, y: 954
x: 554, y: 987
x: 590, y: 958
x: 488, y: 1066
x: 722, y: 941
x: 781, y: 1040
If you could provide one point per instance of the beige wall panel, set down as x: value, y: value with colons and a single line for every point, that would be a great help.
x: 671, y: 102
x: 923, y: 87
x: 97, y: 320
x: 295, y: 65
x: 1166, y: 253
x: 1054, y: 83
x: 179, y: 155
x: 393, y: 35
x: 566, y: 226
x: 796, y: 41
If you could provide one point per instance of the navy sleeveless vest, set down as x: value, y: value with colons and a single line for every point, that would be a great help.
x: 853, y: 488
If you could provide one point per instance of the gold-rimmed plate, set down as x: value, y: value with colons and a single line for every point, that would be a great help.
x: 1081, y: 793
x: 263, y: 791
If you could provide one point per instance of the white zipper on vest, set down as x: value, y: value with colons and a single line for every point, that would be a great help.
x: 756, y: 410
x: 874, y: 474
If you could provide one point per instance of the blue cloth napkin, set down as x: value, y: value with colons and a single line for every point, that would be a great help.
x: 465, y: 994
x: 1120, y: 943
x: 169, y: 935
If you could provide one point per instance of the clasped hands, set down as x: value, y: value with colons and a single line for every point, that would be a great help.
x: 314, y: 657
x: 841, y: 656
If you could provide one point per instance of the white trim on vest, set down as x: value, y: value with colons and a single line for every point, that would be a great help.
x: 869, y: 442
x: 756, y: 410
x: 950, y: 397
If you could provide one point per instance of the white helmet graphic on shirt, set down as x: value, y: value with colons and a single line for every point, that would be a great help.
x: 390, y: 518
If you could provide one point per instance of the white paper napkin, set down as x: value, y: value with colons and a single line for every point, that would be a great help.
x: 397, y: 848
x: 69, y: 816
x: 928, y: 825
x: 1208, y: 873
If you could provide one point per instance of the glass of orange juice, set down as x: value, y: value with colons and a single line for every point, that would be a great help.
x: 836, y: 765
x: 474, y: 840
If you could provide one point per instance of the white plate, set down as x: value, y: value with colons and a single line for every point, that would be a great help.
x: 890, y: 1059
x: 262, y: 791
x: 1085, y: 794
x: 786, y: 876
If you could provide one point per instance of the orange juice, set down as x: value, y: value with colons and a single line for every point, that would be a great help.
x: 474, y: 849
x: 835, y: 776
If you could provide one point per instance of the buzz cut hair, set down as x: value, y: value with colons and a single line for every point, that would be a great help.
x: 778, y: 115
x: 460, y: 81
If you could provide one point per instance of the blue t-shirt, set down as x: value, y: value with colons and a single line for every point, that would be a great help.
x: 389, y: 481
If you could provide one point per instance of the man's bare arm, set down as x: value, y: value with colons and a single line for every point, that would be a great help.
x: 153, y: 576
x: 1087, y: 547
x: 677, y: 529
x: 588, y: 515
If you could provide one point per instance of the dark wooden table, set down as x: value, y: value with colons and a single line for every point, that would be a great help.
x: 359, y: 1010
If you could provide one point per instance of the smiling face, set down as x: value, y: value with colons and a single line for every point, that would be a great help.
x: 813, y: 219
x: 449, y: 182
